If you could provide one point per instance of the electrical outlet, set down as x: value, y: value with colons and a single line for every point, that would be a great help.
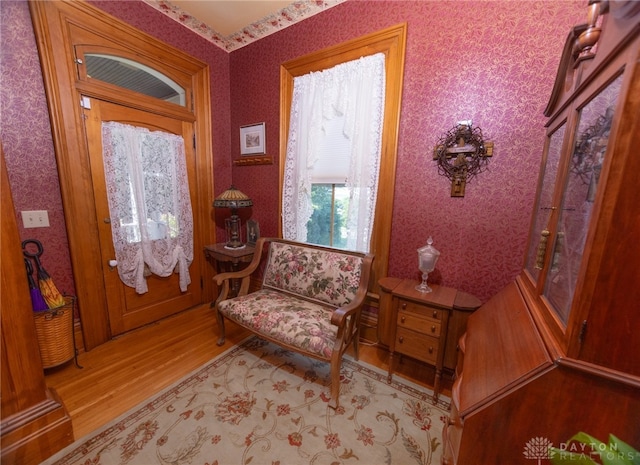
x: 35, y: 219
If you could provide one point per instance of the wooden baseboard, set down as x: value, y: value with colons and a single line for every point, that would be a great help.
x: 369, y: 326
x: 77, y: 334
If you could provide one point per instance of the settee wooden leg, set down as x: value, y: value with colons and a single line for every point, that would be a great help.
x: 221, y: 328
x: 335, y: 393
x: 335, y: 381
x: 356, y: 346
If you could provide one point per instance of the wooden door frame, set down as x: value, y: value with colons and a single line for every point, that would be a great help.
x: 50, y: 21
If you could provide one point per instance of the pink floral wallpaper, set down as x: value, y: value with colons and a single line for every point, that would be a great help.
x: 26, y: 138
x: 490, y: 61
x: 25, y: 128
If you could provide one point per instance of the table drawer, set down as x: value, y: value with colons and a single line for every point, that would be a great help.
x: 419, y: 323
x: 420, y: 309
x: 417, y: 345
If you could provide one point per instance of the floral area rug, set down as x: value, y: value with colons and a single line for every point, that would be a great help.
x: 260, y: 404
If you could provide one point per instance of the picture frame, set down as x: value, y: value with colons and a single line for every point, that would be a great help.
x: 253, y: 232
x: 252, y: 139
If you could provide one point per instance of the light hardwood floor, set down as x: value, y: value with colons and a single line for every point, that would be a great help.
x: 124, y: 372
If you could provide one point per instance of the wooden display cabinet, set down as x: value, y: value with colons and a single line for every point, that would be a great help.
x: 557, y: 351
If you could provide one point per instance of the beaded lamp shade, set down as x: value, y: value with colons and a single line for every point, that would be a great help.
x: 233, y: 199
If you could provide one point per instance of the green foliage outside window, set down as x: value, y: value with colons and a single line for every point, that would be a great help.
x: 328, y: 199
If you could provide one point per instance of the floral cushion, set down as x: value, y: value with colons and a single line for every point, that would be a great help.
x: 285, y: 318
x: 325, y: 276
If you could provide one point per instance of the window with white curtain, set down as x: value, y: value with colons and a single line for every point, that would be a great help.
x: 333, y: 154
x: 149, y: 204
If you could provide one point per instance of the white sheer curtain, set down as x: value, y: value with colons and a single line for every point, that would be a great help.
x: 149, y: 204
x: 353, y: 91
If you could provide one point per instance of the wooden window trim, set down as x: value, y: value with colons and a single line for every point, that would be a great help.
x: 391, y: 42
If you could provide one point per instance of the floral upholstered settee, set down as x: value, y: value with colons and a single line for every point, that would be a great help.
x: 309, y: 301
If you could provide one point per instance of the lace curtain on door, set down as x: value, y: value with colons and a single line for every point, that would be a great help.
x: 149, y: 204
x: 354, y: 92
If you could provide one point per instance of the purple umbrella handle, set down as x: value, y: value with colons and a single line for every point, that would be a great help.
x: 37, y: 301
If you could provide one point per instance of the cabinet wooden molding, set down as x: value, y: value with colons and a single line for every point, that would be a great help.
x: 557, y: 352
x: 34, y: 422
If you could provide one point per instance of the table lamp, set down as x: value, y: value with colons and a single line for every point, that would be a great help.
x: 232, y: 198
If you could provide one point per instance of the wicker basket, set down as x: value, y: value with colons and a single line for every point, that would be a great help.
x: 54, y: 328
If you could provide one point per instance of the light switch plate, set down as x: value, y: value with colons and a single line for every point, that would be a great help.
x: 35, y: 219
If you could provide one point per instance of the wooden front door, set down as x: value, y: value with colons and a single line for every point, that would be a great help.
x: 126, y: 308
x: 70, y: 36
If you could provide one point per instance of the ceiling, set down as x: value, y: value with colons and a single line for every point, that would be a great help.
x: 229, y: 16
x: 231, y: 24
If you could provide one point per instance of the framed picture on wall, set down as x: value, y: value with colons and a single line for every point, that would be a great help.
x: 252, y: 139
x: 253, y: 232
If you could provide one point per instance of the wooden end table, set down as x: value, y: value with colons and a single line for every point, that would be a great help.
x: 227, y: 260
x: 417, y: 324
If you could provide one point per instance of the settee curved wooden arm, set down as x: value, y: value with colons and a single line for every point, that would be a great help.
x: 347, y: 319
x: 245, y: 272
x: 224, y: 279
x: 341, y: 313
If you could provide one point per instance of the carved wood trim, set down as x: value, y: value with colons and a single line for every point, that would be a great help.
x: 565, y: 67
x: 247, y: 161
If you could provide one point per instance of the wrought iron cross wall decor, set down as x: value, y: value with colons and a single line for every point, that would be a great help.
x: 461, y: 154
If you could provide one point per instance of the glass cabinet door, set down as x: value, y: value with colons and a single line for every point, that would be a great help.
x: 579, y: 193
x: 544, y: 206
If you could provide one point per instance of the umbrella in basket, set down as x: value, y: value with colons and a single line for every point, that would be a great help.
x: 50, y: 292
x: 37, y: 301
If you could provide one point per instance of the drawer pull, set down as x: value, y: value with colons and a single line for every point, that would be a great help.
x: 401, y: 339
x: 435, y: 314
x: 404, y: 306
x: 433, y: 328
x: 430, y: 350
x: 402, y: 319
